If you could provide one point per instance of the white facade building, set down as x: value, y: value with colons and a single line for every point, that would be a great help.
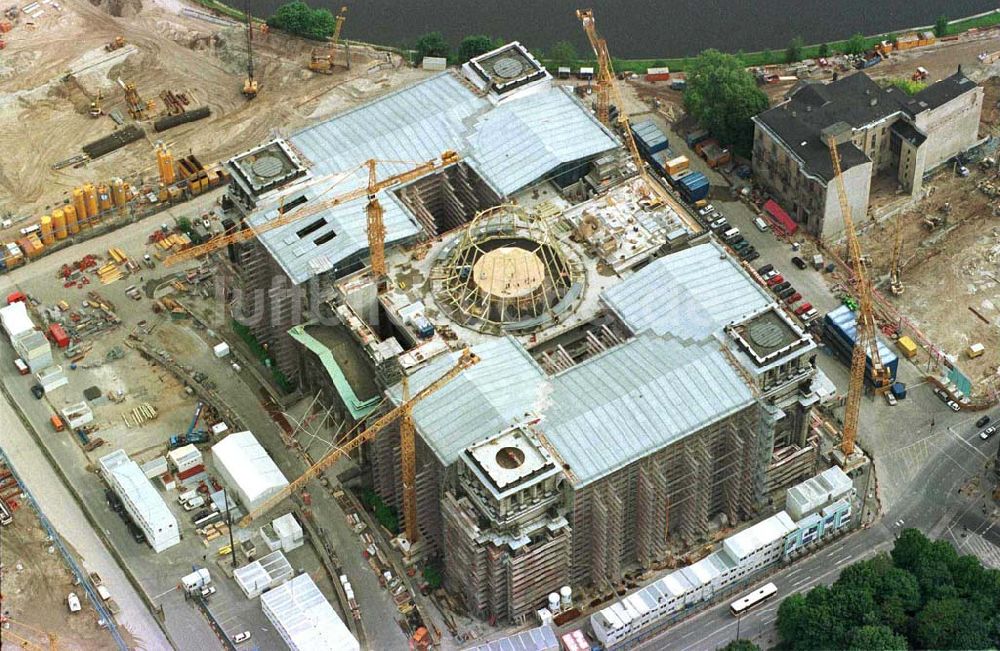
x: 141, y: 500
x: 305, y: 619
x: 247, y: 468
x: 741, y: 557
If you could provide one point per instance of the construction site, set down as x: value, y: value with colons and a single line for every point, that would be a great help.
x: 342, y: 353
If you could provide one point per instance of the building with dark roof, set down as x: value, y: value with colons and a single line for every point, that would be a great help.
x: 877, y: 130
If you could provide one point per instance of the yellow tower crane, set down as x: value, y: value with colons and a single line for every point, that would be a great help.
x: 376, y: 238
x: 607, y: 89
x: 865, y: 341
x: 321, y: 60
x: 466, y: 360
x: 895, y: 264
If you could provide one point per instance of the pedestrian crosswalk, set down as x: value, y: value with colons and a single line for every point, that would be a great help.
x: 984, y: 550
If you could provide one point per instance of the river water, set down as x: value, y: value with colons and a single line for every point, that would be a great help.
x: 638, y: 28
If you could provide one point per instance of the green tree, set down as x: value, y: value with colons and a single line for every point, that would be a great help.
x: 910, y: 549
x: 855, y: 45
x: 473, y: 46
x: 908, y: 86
x: 876, y: 638
x: 741, y: 645
x: 824, y: 50
x: 433, y: 44
x: 298, y: 18
x: 563, y: 53
x: 723, y: 97
x: 941, y: 26
x: 794, y: 51
x: 951, y: 624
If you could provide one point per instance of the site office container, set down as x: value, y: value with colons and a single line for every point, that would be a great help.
x: 58, y: 336
x: 657, y: 74
x: 841, y: 328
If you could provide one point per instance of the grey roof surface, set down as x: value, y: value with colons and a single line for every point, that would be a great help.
x: 481, y: 401
x: 690, y: 294
x: 938, y: 93
x: 638, y: 398
x: 854, y: 99
x: 510, y: 145
x: 542, y: 638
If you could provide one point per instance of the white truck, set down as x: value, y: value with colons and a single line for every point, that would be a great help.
x: 73, y: 602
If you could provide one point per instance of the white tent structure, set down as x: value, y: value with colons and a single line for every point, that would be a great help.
x: 246, y: 468
x: 305, y: 619
x: 15, y: 320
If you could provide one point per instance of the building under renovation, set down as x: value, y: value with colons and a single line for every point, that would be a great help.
x: 877, y: 130
x: 511, y: 127
x: 683, y: 399
x: 638, y: 388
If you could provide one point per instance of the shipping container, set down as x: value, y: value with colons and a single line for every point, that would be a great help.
x: 657, y: 74
x: 676, y: 165
x: 649, y: 138
x: 190, y: 472
x: 58, y: 335
x: 907, y: 346
x: 841, y: 330
x: 695, y: 137
x: 693, y: 186
x: 715, y: 155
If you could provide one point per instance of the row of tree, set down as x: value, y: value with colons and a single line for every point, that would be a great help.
x: 922, y: 596
x: 856, y: 44
x: 435, y: 44
x: 299, y: 18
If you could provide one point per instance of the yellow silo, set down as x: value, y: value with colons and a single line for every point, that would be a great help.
x: 103, y: 197
x: 90, y: 196
x: 165, y: 163
x: 80, y: 204
x: 71, y: 224
x: 46, y: 226
x: 59, y: 223
x: 118, y: 192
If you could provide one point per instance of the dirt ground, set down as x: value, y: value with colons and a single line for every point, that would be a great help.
x: 45, y: 119
x: 35, y: 585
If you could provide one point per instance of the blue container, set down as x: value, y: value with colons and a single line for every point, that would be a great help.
x: 649, y: 138
x: 899, y: 390
x: 693, y: 186
x: 841, y: 327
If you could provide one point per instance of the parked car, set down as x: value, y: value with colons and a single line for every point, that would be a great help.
x: 802, y: 309
x: 740, y: 244
x: 760, y: 224
x: 241, y: 637
x: 799, y: 262
x: 763, y: 270
x: 785, y: 293
x: 747, y: 252
x: 982, y: 422
x: 73, y: 602
x: 952, y: 405
x: 37, y: 391
x: 780, y: 287
x: 752, y: 256
x: 988, y: 432
x: 137, y: 534
x: 774, y: 280
x: 768, y: 275
x: 794, y: 298
x: 706, y: 210
x: 208, y: 591
x: 114, y: 501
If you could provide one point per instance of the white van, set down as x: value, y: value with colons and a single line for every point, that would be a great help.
x: 194, y: 503
x: 189, y: 495
x: 103, y: 593
x: 760, y: 224
x: 731, y: 234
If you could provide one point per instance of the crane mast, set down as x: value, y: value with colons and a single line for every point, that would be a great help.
x: 376, y: 227
x: 250, y: 84
x: 466, y: 360
x: 607, y: 89
x: 895, y: 282
x: 369, y: 190
x: 865, y: 342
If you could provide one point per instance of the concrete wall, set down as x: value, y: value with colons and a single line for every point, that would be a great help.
x: 951, y: 128
x: 857, y: 182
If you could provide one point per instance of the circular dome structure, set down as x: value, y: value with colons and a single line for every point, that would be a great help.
x: 506, y: 272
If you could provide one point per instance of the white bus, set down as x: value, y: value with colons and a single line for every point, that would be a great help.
x: 756, y: 597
